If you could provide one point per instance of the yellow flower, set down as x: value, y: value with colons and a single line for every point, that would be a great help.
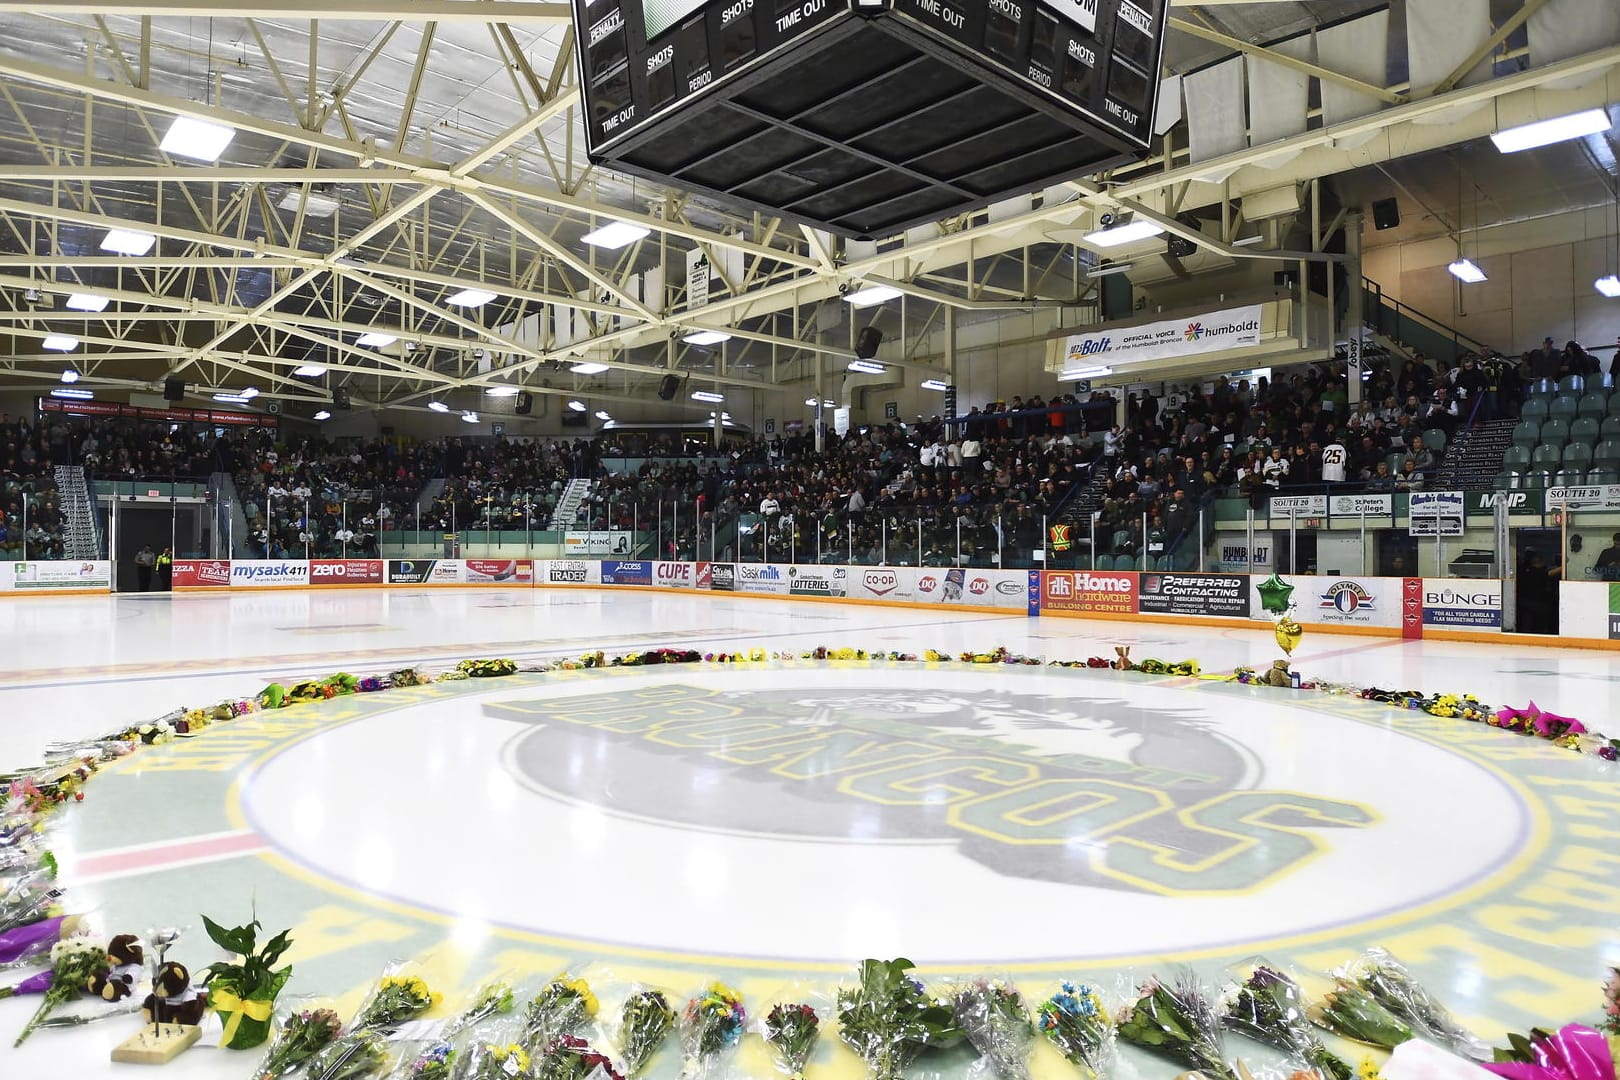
x: 1368, y: 1070
x: 583, y: 989
x: 513, y: 1053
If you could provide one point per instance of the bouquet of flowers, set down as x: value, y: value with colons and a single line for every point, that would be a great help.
x: 1269, y: 1007
x: 993, y: 1015
x: 433, y: 1063
x: 1355, y: 1014
x: 302, y: 1036
x: 1075, y: 1021
x: 1177, y: 1022
x: 713, y: 1021
x: 73, y: 962
x: 889, y: 1018
x: 644, y: 1023
x: 21, y: 944
x: 1575, y: 1052
x: 1611, y: 1003
x: 348, y: 1057
x: 1394, y: 987
x: 396, y: 999
x: 562, y: 1007
x: 29, y: 896
x: 568, y: 1057
x: 489, y: 1061
x: 792, y: 1030
x: 492, y: 999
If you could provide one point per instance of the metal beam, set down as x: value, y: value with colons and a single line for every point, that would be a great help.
x: 475, y: 11
x: 1512, y: 23
x: 1275, y: 57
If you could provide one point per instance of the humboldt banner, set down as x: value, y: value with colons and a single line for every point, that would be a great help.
x: 1217, y: 331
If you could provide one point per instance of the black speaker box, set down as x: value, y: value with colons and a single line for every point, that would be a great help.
x: 667, y: 386
x: 340, y: 398
x: 174, y: 389
x: 866, y: 345
x: 1180, y: 247
x: 1386, y: 214
x: 524, y: 404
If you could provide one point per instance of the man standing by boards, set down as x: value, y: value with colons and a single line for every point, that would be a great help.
x: 145, y: 560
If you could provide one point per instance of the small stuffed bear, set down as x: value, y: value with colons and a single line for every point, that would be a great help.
x: 117, y: 980
x: 1279, y: 674
x: 173, y: 1000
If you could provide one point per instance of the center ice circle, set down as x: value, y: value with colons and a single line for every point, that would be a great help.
x: 812, y: 813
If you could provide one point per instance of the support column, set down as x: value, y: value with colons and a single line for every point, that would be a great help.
x: 1355, y: 316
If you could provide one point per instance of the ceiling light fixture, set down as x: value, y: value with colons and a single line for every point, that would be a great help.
x: 60, y: 342
x: 577, y: 406
x: 1126, y: 233
x: 1546, y: 132
x: 376, y: 341
x: 470, y: 298
x: 866, y: 367
x: 588, y: 369
x: 1608, y: 286
x: 309, y: 371
x: 77, y: 395
x: 1249, y: 241
x: 932, y: 384
x: 615, y: 235
x: 1086, y: 373
x: 250, y: 393
x: 502, y: 391
x: 706, y: 337
x: 196, y: 139
x: 87, y: 302
x: 602, y: 415
x: 871, y: 296
x: 1109, y: 268
x: 438, y: 406
x: 69, y: 375
x: 1467, y: 271
x: 128, y: 241
x: 317, y: 205
x: 469, y: 417
x: 708, y: 396
x: 323, y: 415
x: 827, y: 404
x: 231, y: 399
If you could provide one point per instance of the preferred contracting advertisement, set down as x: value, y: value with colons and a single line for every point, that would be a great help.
x: 1089, y: 591
x: 1194, y: 594
x: 1216, y: 331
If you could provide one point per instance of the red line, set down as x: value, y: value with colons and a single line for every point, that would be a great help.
x: 152, y: 858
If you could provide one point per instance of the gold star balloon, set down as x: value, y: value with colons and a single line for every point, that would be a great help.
x: 1274, y: 593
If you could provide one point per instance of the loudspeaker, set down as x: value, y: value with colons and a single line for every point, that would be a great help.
x: 174, y: 389
x: 524, y: 405
x: 340, y: 397
x: 1386, y: 214
x: 1180, y: 247
x: 667, y: 386
x: 866, y: 345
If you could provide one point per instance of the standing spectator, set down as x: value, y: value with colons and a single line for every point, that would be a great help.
x: 1334, y: 457
x: 1275, y: 469
x: 145, y: 561
x: 165, y: 570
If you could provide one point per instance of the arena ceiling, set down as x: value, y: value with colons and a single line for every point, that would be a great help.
x: 388, y: 155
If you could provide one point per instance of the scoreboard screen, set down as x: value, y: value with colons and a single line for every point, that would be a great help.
x: 867, y: 116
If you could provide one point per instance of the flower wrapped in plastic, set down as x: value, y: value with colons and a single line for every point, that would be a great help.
x: 1351, y: 1012
x: 992, y: 1013
x: 491, y: 1061
x: 645, y: 1021
x: 1178, y: 1022
x: 303, y: 1034
x: 433, y: 1062
x: 491, y: 1000
x: 396, y: 999
x: 564, y: 1006
x: 712, y: 1023
x: 354, y: 1056
x: 1269, y: 1007
x: 73, y: 962
x: 22, y: 944
x: 1574, y: 1052
x: 1611, y: 1002
x: 1075, y: 1021
x: 889, y: 1018
x: 1396, y: 989
x: 569, y: 1057
x: 791, y: 1029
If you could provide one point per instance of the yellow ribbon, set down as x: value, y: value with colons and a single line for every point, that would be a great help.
x: 224, y: 1001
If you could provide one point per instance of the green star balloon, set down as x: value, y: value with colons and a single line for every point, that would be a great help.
x: 1274, y: 594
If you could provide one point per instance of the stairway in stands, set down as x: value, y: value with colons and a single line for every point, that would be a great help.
x: 1474, y: 457
x: 81, y: 533
x: 566, y: 516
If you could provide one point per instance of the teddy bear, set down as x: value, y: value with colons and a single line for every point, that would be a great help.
x: 173, y: 1000
x: 1279, y: 674
x: 117, y: 979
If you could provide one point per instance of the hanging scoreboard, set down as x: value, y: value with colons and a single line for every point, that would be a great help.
x: 868, y: 116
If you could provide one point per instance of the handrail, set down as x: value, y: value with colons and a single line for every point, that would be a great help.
x: 1457, y: 337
